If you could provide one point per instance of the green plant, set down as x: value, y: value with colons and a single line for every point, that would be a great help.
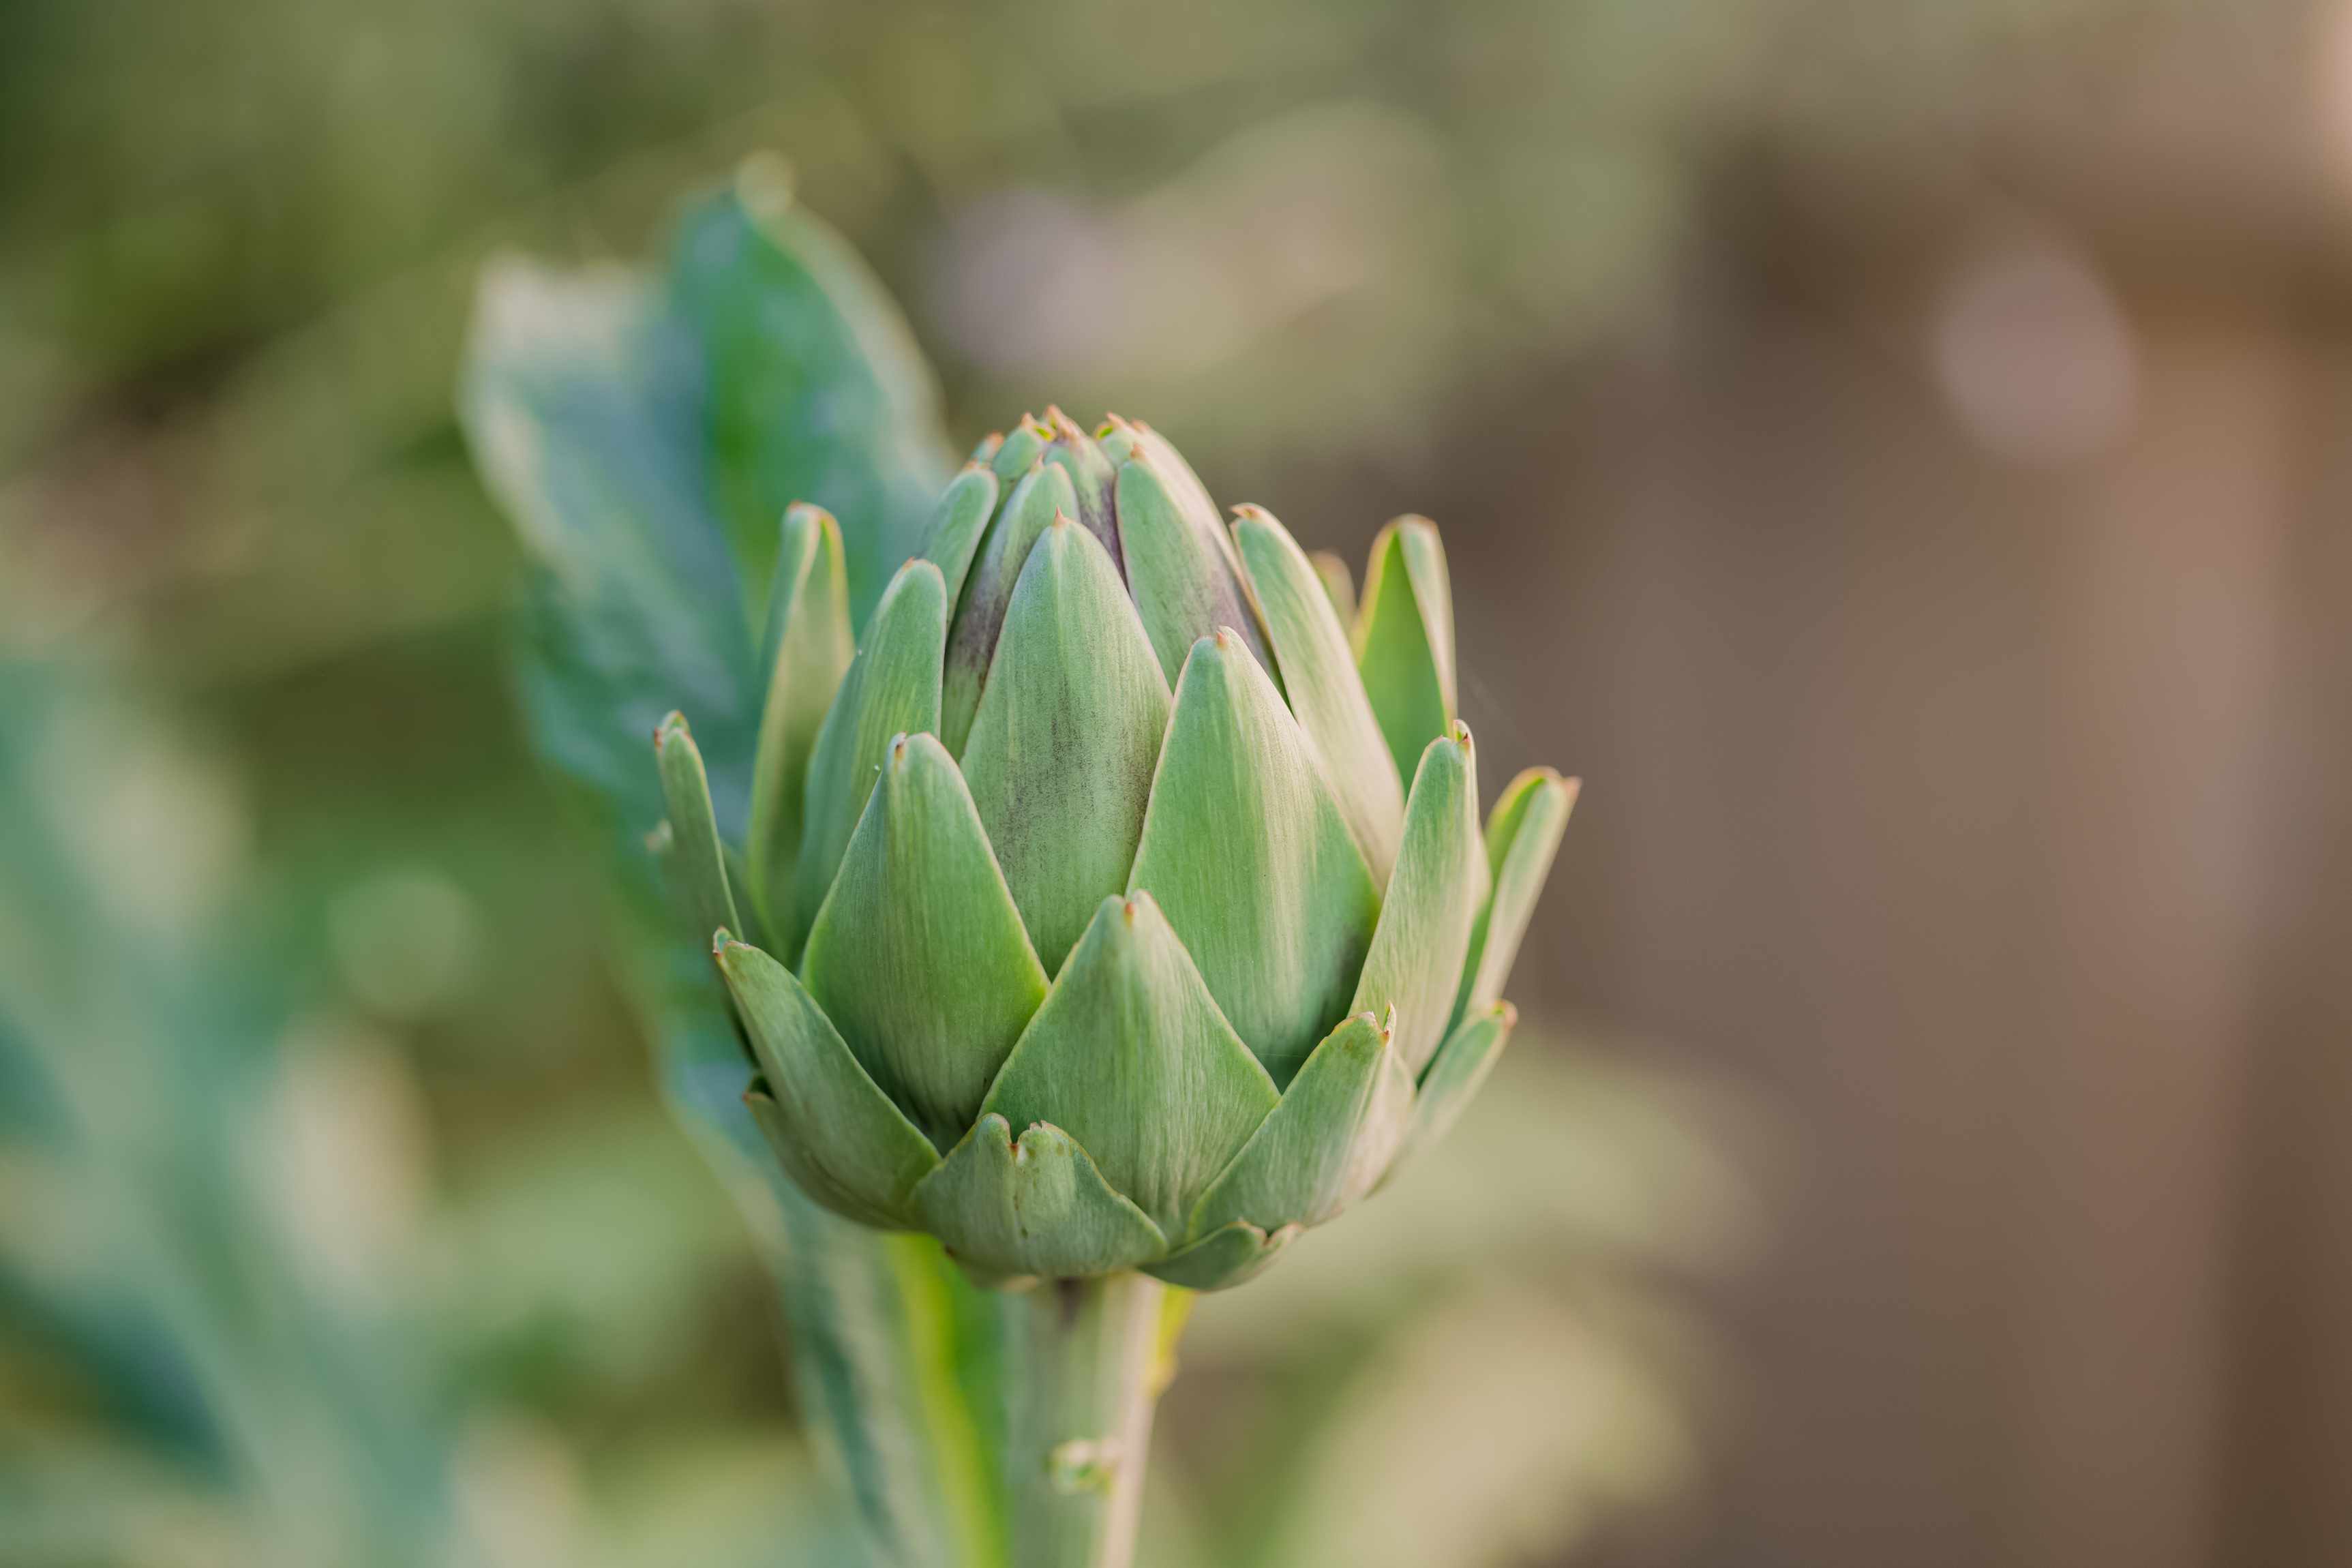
x: 622, y: 422
x: 1111, y: 952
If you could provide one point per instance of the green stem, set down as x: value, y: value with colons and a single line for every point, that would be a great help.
x: 1086, y: 1360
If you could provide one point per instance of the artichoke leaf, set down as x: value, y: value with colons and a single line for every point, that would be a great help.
x: 1036, y: 1207
x: 1327, y: 1144
x: 1185, y: 579
x: 917, y: 954
x: 1415, y: 962
x: 1228, y: 1256
x: 1404, y: 638
x: 1460, y: 1066
x: 810, y: 646
x: 839, y: 1135
x: 1094, y: 478
x: 1248, y: 857
x: 1318, y: 675
x: 1062, y: 751
x: 1131, y: 1056
x: 892, y: 688
x: 958, y: 525
x: 696, y: 859
x: 1016, y: 453
x: 1042, y: 495
x: 1522, y: 834
x: 1339, y: 585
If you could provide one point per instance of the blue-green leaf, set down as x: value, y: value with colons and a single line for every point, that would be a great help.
x: 1061, y: 753
x: 1131, y: 1056
x: 1248, y: 855
x: 917, y: 954
x: 583, y: 403
x: 1038, y: 1208
x: 817, y: 390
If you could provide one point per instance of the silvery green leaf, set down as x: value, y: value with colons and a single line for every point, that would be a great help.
x: 815, y: 389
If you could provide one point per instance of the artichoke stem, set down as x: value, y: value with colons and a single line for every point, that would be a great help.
x: 1087, y: 1359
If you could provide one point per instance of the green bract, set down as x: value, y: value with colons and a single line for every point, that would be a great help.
x: 1087, y: 920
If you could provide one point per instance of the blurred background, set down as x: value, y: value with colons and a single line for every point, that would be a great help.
x: 1895, y: 453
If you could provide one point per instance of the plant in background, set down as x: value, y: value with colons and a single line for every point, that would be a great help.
x: 1101, y: 894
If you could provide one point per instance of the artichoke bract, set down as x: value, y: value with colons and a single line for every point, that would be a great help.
x: 1119, y: 901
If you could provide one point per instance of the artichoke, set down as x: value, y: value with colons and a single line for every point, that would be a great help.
x: 1084, y: 920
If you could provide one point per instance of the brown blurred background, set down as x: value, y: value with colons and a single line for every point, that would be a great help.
x: 1898, y: 455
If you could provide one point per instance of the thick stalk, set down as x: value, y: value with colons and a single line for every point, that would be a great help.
x: 1085, y: 1362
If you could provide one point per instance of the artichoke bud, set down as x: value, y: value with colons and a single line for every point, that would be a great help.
x: 1125, y: 899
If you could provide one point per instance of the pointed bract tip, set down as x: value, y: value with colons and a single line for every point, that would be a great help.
x: 808, y: 511
x: 721, y: 939
x: 673, y: 724
x: 1252, y: 512
x: 1460, y: 734
x: 1061, y: 519
x: 898, y: 749
x: 1508, y: 1014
